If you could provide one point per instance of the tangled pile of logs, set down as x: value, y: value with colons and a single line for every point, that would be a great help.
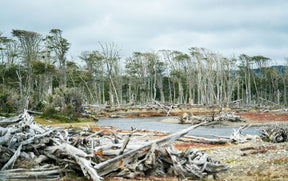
x: 33, y: 151
x: 221, y: 116
x: 274, y: 134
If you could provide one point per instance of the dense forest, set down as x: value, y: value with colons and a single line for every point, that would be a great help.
x: 36, y: 66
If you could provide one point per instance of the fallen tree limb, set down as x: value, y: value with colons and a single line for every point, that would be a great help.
x: 12, y: 159
x: 255, y: 150
x: 163, y: 107
x: 34, y: 112
x: 126, y: 141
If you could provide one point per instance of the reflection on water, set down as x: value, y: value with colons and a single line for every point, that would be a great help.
x: 152, y: 123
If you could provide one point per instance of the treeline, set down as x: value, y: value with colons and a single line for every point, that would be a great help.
x: 36, y: 66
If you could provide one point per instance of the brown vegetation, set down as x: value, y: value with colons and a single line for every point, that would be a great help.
x: 263, y: 117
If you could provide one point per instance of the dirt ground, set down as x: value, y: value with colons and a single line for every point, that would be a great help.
x: 253, y: 161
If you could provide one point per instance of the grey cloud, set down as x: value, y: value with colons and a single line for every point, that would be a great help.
x: 231, y: 27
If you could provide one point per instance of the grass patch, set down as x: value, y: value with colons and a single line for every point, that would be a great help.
x: 52, y: 120
x: 61, y: 118
x: 231, y: 161
x: 56, y: 116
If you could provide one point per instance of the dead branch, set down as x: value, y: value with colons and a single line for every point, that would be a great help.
x: 126, y: 141
x: 163, y: 107
x: 12, y: 159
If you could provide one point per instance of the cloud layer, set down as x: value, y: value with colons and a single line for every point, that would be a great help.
x: 258, y: 27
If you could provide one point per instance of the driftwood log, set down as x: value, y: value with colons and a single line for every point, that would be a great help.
x: 199, y: 139
x: 274, y: 133
x: 33, y: 151
x: 43, y: 172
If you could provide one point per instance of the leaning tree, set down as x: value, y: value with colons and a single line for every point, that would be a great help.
x: 59, y: 47
x: 29, y: 50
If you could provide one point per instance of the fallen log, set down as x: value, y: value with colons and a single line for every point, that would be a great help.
x: 255, y: 150
x: 34, y: 112
x: 198, y: 139
x: 44, y: 172
x: 7, y: 121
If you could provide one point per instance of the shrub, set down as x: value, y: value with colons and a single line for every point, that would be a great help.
x: 49, y: 112
x: 10, y: 101
x: 69, y: 100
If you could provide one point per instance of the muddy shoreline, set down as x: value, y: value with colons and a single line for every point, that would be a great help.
x: 232, y: 124
x: 150, y: 111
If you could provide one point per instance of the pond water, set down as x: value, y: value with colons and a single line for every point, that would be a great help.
x: 153, y: 123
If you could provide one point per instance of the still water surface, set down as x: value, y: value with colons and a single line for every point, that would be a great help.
x: 153, y: 123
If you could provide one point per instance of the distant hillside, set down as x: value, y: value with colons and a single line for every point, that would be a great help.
x: 280, y: 68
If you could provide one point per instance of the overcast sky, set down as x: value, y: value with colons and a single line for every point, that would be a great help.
x: 228, y: 27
